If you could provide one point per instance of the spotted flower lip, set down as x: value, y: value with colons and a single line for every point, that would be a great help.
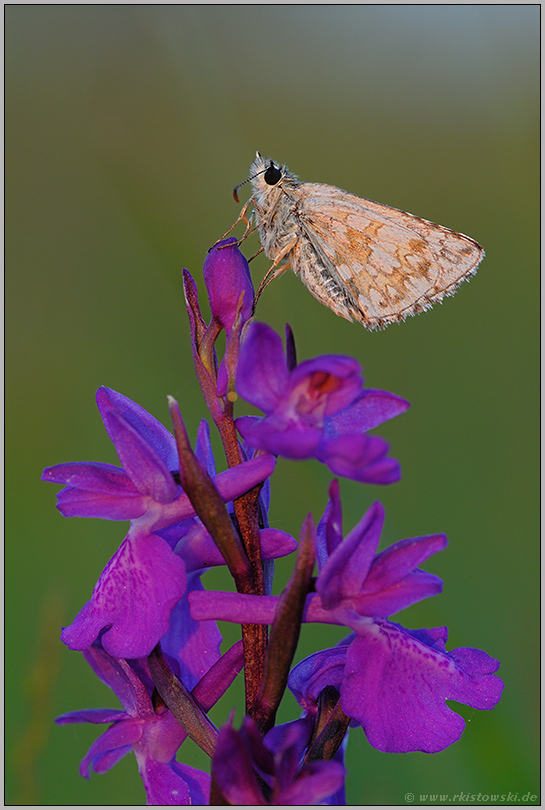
x: 133, y: 598
x: 393, y: 681
x: 319, y: 409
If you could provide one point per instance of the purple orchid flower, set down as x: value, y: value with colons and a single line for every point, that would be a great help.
x: 148, y: 728
x: 135, y: 594
x: 319, y: 409
x: 393, y: 681
x: 241, y: 755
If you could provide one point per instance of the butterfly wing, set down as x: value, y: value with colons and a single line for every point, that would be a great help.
x: 374, y: 263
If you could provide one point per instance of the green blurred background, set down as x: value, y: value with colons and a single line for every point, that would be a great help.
x: 126, y: 129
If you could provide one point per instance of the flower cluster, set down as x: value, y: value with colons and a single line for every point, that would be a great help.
x: 150, y: 632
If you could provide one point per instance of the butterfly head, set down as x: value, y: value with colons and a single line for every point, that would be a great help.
x: 265, y: 174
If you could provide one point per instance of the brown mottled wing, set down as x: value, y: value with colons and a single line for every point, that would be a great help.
x: 374, y: 263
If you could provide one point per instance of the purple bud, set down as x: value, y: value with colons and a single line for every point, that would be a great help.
x: 227, y: 277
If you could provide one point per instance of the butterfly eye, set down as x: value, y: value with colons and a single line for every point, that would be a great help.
x: 272, y: 175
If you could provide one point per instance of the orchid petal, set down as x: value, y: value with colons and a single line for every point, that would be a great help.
x: 143, y: 465
x: 152, y: 431
x: 262, y: 372
x: 391, y: 565
x: 370, y: 410
x: 346, y: 570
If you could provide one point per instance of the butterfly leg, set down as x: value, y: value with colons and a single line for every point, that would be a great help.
x: 241, y: 216
x: 261, y: 249
x: 275, y: 270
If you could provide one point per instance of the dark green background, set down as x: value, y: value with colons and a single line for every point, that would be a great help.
x: 127, y: 128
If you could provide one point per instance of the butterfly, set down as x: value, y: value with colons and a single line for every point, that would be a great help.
x: 365, y: 261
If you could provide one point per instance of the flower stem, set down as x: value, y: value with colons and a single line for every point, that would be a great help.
x: 246, y: 512
x: 285, y: 631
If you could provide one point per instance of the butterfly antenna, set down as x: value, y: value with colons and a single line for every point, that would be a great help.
x: 236, y: 188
